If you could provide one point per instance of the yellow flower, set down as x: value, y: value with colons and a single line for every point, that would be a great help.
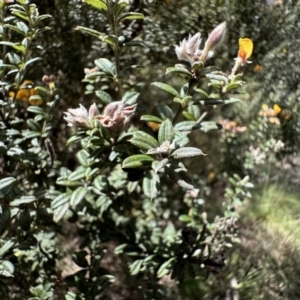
x: 277, y: 109
x: 245, y: 49
x: 258, y: 68
x: 271, y: 113
x: 24, y: 93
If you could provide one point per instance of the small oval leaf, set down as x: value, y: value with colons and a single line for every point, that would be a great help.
x: 99, y: 4
x: 6, y: 182
x: 186, y: 152
x: 165, y: 268
x: 137, y: 161
x: 165, y: 132
x: 151, y: 185
x: 166, y: 88
x: 78, y: 195
x: 132, y: 16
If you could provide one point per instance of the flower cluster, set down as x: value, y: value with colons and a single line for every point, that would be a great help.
x: 115, y: 118
x: 188, y: 50
x: 50, y: 80
x: 271, y: 113
x: 232, y: 126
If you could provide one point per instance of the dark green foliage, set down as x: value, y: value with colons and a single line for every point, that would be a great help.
x: 139, y: 200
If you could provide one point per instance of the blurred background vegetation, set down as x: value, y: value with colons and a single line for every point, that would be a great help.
x: 256, y: 140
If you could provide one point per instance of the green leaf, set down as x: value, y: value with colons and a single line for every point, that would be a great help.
x: 90, y: 31
x: 6, y: 43
x: 13, y: 58
x: 137, y: 161
x: 6, y: 182
x: 186, y: 152
x: 60, y: 213
x: 144, y: 140
x: 119, y: 8
x: 6, y: 247
x: 209, y: 125
x: 8, y: 266
x: 77, y: 174
x: 202, y: 92
x: 158, y: 165
x: 74, y: 139
x: 5, y: 217
x: 41, y: 30
x: 165, y: 268
x: 194, y: 111
x: 15, y: 151
x: 181, y: 71
x: 82, y: 157
x: 140, y: 144
x: 135, y: 267
x: 149, y: 118
x: 28, y: 134
x: 218, y: 76
x: 22, y: 27
x: 21, y: 15
x: 185, y: 218
x: 19, y: 47
x: 31, y: 61
x: 23, y: 200
x: 63, y: 181
x: 163, y: 111
x: 130, y: 97
x: 166, y: 88
x: 165, y: 132
x: 151, y: 185
x: 9, y: 132
x: 188, y: 116
x: 35, y: 126
x: 60, y: 200
x: 14, y: 28
x: 104, y: 96
x: 179, y: 176
x: 25, y: 219
x: 181, y: 139
x: 101, y: 5
x: 111, y: 40
x: 131, y: 16
x: 187, y: 126
x: 120, y: 249
x: 101, y: 183
x: 78, y: 195
x: 36, y: 110
x: 232, y: 100
x: 106, y: 66
x: 42, y: 17
x: 135, y: 43
x: 184, y: 100
x: 89, y: 173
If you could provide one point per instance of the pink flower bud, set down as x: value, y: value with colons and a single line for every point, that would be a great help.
x: 93, y: 111
x: 216, y: 36
x: 46, y: 79
x: 116, y: 117
x: 112, y: 108
x: 78, y: 117
x: 214, y: 39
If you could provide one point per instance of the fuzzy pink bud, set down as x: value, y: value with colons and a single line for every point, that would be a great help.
x: 116, y: 117
x: 216, y: 36
x: 214, y: 39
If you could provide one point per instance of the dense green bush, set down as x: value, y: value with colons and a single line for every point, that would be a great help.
x: 138, y: 200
